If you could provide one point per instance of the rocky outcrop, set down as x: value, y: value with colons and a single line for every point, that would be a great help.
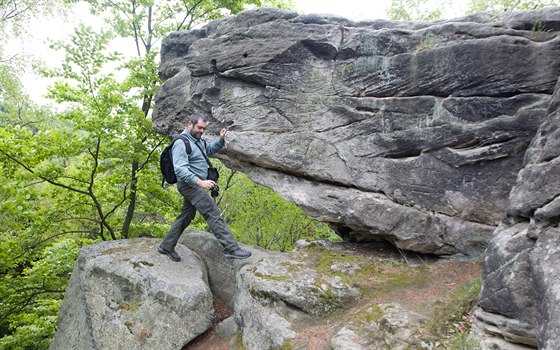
x: 390, y: 327
x: 273, y: 292
x: 125, y: 295
x: 405, y: 131
x: 520, y: 299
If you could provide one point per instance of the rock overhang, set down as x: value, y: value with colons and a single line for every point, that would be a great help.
x: 415, y: 130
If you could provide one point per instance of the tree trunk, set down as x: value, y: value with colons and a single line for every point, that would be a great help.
x: 132, y: 203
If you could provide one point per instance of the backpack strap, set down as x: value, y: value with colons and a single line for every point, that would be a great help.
x: 188, y: 148
x: 204, y: 154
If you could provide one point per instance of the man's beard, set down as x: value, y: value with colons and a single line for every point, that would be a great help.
x: 194, y: 134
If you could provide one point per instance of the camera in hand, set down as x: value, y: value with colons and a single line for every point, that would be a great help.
x: 214, y: 175
x: 215, y: 191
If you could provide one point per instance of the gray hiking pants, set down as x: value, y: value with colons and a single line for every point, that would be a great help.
x: 196, y: 199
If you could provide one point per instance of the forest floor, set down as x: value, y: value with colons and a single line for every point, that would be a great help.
x: 418, y: 283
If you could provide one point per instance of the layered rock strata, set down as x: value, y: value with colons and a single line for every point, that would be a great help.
x: 411, y: 132
x: 521, y: 282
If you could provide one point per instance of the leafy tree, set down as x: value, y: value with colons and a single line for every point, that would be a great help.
x: 146, y: 23
x: 428, y: 10
x: 12, y: 98
x: 30, y: 284
x: 30, y: 299
x: 105, y: 133
x: 111, y: 134
x: 34, y: 264
x: 257, y: 215
x: 416, y: 10
x: 497, y: 6
x: 15, y: 14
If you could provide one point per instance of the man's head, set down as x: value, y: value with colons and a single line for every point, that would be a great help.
x: 197, y: 125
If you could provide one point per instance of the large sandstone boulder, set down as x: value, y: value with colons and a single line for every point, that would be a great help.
x: 271, y: 293
x: 412, y: 132
x: 125, y: 295
x: 520, y: 297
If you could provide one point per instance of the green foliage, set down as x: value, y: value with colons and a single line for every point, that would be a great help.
x: 428, y: 10
x: 257, y: 215
x: 450, y: 321
x: 31, y: 290
x: 498, y: 6
x: 147, y: 22
x: 15, y: 106
x: 10, y: 89
x: 16, y: 14
x: 416, y: 10
x: 93, y: 151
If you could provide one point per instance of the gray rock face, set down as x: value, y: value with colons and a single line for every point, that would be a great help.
x: 520, y: 297
x: 396, y: 329
x: 222, y: 272
x: 125, y: 295
x: 276, y: 293
x: 310, y: 291
x: 271, y: 291
x: 411, y: 132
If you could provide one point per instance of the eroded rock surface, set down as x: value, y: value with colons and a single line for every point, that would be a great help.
x: 273, y: 293
x: 521, y: 282
x: 391, y: 327
x: 125, y: 295
x: 406, y: 131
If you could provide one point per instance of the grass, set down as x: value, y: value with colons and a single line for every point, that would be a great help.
x: 387, y: 280
x: 373, y: 277
x: 272, y: 277
x: 426, y: 43
x: 373, y: 314
x: 450, y: 321
x: 239, y: 341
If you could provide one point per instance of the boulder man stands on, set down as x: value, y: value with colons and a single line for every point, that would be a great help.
x: 192, y: 181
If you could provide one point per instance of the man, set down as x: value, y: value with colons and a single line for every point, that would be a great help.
x: 192, y: 172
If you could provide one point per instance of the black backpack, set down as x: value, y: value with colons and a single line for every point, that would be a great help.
x: 166, y: 160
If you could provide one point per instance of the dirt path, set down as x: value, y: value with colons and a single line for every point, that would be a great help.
x: 418, y: 283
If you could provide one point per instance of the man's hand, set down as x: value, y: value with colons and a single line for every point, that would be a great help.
x: 206, y: 184
x: 223, y: 133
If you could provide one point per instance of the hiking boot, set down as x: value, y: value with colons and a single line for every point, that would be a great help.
x: 171, y: 253
x: 238, y: 254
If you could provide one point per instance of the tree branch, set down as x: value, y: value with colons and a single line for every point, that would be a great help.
x: 36, y: 244
x: 52, y: 182
x: 30, y: 298
x: 125, y: 197
x: 143, y: 164
x: 103, y: 223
